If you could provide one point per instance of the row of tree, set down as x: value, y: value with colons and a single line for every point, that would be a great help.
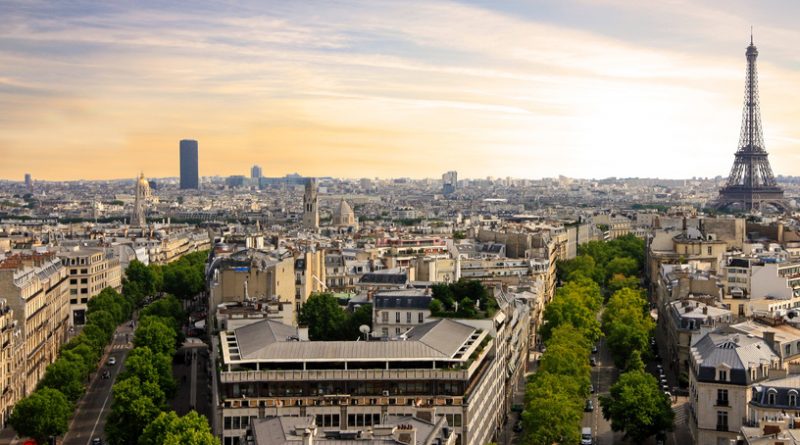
x: 139, y: 413
x: 555, y: 394
x: 326, y: 319
x: 46, y: 411
x: 635, y: 403
x: 183, y: 278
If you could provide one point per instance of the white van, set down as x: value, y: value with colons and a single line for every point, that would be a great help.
x: 586, y: 436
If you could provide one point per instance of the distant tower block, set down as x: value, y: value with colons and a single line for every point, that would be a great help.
x: 28, y: 183
x: 449, y: 183
x: 255, y: 172
x: 190, y: 176
x: 751, y: 184
x: 311, y: 205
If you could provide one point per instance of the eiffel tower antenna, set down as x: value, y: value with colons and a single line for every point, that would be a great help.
x: 751, y: 182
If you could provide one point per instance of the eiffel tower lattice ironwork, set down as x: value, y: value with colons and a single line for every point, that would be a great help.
x: 751, y: 183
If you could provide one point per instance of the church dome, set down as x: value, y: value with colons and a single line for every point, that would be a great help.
x: 344, y: 215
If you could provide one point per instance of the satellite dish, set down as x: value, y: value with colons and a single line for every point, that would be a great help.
x: 364, y: 329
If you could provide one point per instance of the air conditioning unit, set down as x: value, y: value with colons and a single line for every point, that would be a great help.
x: 385, y: 393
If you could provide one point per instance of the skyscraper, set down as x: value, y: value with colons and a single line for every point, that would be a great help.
x: 449, y: 182
x: 189, y: 170
x: 255, y: 172
x: 28, y: 183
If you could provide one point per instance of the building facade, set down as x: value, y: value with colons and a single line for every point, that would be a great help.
x: 190, y: 176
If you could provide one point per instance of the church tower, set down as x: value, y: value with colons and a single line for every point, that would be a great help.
x: 311, y: 206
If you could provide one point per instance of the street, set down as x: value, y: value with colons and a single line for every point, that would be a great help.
x: 603, y: 376
x: 93, y: 409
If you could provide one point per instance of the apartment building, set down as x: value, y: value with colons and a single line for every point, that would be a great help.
x: 454, y: 367
x: 9, y: 354
x: 253, y: 275
x: 36, y: 289
x: 90, y: 271
x: 724, y: 368
x: 394, y: 312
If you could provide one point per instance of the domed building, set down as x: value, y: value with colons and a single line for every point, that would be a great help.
x: 344, y: 217
x: 142, y: 195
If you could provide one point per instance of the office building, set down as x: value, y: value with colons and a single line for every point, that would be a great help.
x: 190, y: 178
x: 255, y: 172
x: 449, y: 182
x: 28, y: 183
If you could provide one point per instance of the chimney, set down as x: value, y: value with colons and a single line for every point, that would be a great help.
x: 769, y: 339
x: 705, y: 310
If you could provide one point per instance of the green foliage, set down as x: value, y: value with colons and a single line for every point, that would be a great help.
x: 575, y: 303
x: 169, y: 428
x: 553, y: 410
x: 185, y: 278
x: 42, y: 414
x: 139, y: 282
x: 136, y: 404
x: 167, y: 307
x: 112, y: 302
x: 67, y: 376
x: 148, y: 366
x: 327, y: 320
x: 637, y: 406
x: 627, y: 325
x: 464, y: 299
x: 436, y: 307
x: 157, y: 334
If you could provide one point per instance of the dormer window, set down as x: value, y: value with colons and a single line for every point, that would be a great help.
x: 771, y: 393
x: 792, y: 399
x: 722, y: 375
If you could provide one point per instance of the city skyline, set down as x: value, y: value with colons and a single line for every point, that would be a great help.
x: 384, y: 90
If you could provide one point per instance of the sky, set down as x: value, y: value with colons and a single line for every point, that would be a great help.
x: 411, y: 88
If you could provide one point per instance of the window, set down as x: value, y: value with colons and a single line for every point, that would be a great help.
x: 84, y: 271
x: 385, y: 316
x: 723, y: 375
x: 73, y: 281
x: 397, y: 317
x: 792, y: 399
x: 385, y: 332
x: 722, y: 421
x: 709, y: 250
x: 408, y: 317
x: 84, y: 281
x: 396, y: 331
x: 787, y: 349
x: 722, y: 397
x: 771, y: 398
x: 420, y: 317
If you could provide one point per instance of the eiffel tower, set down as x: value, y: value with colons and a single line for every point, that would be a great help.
x: 751, y: 185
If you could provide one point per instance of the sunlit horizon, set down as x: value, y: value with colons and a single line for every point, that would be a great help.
x: 583, y: 89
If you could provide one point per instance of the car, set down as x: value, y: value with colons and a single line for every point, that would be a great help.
x: 586, y: 436
x: 591, y: 388
x: 589, y: 406
x: 592, y: 361
x: 112, y: 361
x: 594, y: 349
x: 518, y: 426
x: 106, y: 374
x: 97, y: 441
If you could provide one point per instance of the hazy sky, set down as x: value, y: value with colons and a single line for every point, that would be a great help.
x: 369, y: 88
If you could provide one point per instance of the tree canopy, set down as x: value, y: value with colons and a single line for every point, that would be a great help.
x: 169, y: 428
x: 42, y: 414
x: 327, y: 320
x: 637, y: 406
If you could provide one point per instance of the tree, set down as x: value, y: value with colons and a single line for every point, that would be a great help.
x: 139, y: 282
x: 359, y: 317
x: 67, y: 376
x: 637, y: 406
x: 136, y: 404
x: 148, y: 366
x: 167, y: 307
x: 42, y: 414
x: 157, y: 334
x: 552, y: 410
x: 625, y: 266
x: 627, y: 325
x: 435, y: 307
x: 326, y: 320
x: 169, y: 428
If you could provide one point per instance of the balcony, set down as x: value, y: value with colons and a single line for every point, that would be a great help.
x: 721, y: 402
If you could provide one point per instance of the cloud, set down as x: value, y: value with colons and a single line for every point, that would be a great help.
x: 381, y: 89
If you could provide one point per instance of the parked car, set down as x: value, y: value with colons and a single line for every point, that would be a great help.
x: 589, y: 405
x: 112, y: 361
x: 593, y: 361
x: 591, y: 388
x: 594, y: 349
x: 106, y: 374
x: 97, y: 441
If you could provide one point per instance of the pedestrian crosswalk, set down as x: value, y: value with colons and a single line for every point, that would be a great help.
x: 121, y: 346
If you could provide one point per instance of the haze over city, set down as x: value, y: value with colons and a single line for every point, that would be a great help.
x: 365, y: 89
